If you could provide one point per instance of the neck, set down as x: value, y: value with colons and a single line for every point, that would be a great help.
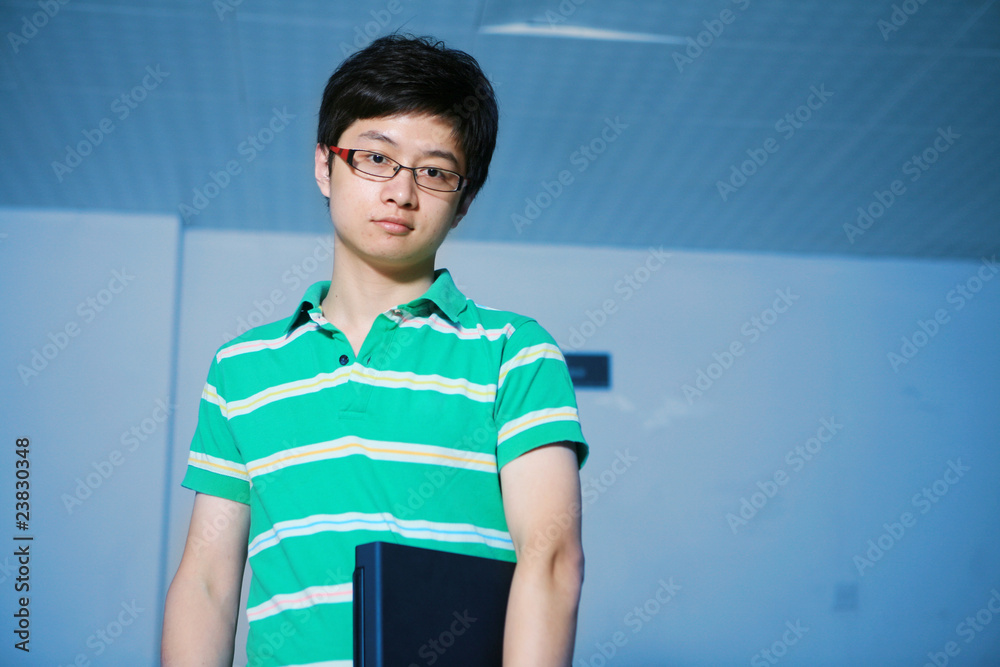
x: 359, y: 292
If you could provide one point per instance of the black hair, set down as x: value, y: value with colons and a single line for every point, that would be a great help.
x: 399, y: 74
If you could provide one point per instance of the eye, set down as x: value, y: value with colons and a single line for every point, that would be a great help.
x: 374, y: 163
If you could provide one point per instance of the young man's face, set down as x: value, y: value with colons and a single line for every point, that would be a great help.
x: 393, y: 224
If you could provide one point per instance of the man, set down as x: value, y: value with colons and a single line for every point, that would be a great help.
x: 388, y: 406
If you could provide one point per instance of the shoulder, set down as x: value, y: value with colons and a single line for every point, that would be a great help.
x: 275, y: 335
x: 270, y: 336
x: 514, y: 325
x: 474, y: 319
x: 515, y: 338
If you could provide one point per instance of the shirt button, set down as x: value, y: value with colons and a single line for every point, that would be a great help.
x: 396, y: 312
x: 343, y: 360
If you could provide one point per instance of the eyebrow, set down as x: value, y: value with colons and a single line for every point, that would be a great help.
x: 375, y: 135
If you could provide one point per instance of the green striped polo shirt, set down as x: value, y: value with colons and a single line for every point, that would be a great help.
x: 402, y: 442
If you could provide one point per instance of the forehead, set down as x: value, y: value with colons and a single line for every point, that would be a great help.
x: 410, y: 136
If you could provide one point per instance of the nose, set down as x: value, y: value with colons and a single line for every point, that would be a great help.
x: 401, y: 188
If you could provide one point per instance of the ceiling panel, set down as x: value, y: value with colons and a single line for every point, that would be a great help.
x: 680, y: 125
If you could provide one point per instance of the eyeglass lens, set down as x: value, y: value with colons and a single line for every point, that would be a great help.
x: 434, y: 178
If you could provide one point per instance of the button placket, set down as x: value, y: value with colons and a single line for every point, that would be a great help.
x: 374, y: 349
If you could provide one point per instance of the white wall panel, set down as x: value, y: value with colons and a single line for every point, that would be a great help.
x: 88, y: 303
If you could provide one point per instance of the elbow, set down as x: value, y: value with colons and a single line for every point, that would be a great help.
x: 575, y: 568
x: 568, y: 573
x: 560, y: 564
x: 565, y: 571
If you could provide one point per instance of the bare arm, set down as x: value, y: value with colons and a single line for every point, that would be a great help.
x: 199, y: 620
x: 541, y: 497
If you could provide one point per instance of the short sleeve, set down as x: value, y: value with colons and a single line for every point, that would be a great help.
x: 215, y: 465
x: 535, y: 403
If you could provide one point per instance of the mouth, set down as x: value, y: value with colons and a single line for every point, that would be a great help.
x: 394, y: 225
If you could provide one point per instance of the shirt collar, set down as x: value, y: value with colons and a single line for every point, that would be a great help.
x: 311, y: 300
x: 442, y: 293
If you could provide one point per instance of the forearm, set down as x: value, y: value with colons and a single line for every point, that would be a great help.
x: 197, y: 629
x: 542, y: 608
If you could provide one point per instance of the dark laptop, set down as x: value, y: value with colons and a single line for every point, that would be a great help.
x: 416, y: 607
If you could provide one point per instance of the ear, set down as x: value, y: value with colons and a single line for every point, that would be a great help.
x: 323, y: 169
x: 463, y: 209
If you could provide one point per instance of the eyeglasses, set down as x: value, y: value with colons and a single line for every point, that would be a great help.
x: 380, y: 166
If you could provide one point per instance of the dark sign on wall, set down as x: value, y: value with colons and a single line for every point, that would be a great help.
x: 591, y: 370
